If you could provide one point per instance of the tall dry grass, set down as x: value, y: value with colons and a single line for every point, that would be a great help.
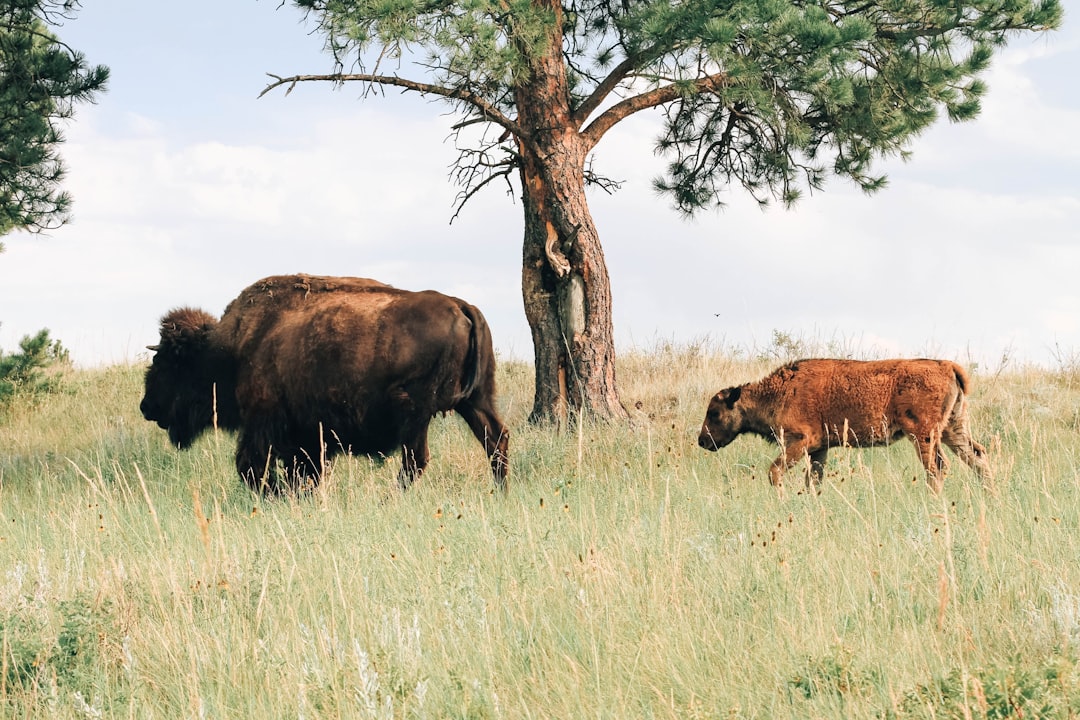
x: 627, y: 574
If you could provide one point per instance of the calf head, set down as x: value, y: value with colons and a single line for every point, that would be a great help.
x: 723, y: 420
x: 179, y: 394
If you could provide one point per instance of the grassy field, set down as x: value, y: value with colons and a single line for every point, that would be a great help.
x: 627, y: 574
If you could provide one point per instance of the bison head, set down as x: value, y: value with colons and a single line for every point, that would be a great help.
x: 179, y: 393
x: 723, y: 420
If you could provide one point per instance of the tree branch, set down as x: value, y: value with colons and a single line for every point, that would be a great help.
x: 486, y: 109
x: 603, y: 89
x: 654, y: 98
x: 465, y: 195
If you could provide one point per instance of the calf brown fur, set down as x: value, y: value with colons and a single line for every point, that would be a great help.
x: 809, y: 406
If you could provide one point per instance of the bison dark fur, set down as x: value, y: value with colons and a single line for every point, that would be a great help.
x: 809, y: 406
x: 305, y: 367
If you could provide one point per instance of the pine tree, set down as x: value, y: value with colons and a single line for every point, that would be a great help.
x: 28, y: 373
x: 772, y: 95
x: 41, y: 81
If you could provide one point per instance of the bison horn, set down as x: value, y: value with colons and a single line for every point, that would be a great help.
x: 155, y: 348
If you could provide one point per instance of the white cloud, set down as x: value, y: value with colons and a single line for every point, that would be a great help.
x: 185, y: 197
x: 1022, y: 114
x: 161, y: 223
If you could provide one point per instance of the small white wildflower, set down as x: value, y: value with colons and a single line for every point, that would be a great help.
x: 302, y: 702
x: 704, y: 545
x: 367, y: 690
x: 420, y: 692
x: 41, y: 592
x: 86, y: 709
x: 1065, y: 612
x: 12, y: 590
x: 75, y: 565
x: 128, y: 662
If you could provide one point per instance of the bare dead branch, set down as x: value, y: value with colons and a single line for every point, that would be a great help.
x: 486, y: 109
x: 465, y: 195
x: 594, y: 179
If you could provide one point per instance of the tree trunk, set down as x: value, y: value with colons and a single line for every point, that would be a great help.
x: 567, y: 295
x: 564, y: 279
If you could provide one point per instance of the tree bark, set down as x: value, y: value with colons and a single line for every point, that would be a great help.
x: 567, y: 298
x: 564, y: 278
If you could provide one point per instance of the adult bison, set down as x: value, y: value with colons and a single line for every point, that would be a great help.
x: 306, y: 367
x: 809, y: 406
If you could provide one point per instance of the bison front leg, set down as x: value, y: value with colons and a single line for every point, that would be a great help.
x: 414, y: 457
x: 815, y: 471
x: 255, y: 462
x: 795, y: 449
x: 493, y: 435
x: 304, y: 467
x: 928, y: 446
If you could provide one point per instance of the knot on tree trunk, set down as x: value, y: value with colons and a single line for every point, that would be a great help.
x: 555, y: 257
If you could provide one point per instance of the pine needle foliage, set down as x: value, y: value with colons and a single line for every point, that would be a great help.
x: 41, y: 81
x: 775, y: 96
x: 33, y: 370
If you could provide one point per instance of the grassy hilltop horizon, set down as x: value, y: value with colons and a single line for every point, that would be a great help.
x: 627, y: 573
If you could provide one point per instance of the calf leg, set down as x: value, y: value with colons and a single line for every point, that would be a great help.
x: 492, y: 434
x: 928, y: 445
x: 795, y: 450
x: 816, y: 470
x: 971, y: 453
x: 958, y: 438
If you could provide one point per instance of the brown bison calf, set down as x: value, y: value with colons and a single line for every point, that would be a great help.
x: 809, y: 406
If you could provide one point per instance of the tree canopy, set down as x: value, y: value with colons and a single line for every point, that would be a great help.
x: 775, y: 96
x: 41, y: 81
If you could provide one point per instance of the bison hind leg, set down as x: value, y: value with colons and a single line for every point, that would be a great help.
x: 973, y: 454
x: 414, y: 455
x: 492, y: 434
x: 957, y: 436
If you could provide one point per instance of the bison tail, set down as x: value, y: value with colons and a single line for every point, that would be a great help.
x: 479, y: 356
x: 961, y: 378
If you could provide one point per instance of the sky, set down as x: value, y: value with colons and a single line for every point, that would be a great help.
x: 188, y: 187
